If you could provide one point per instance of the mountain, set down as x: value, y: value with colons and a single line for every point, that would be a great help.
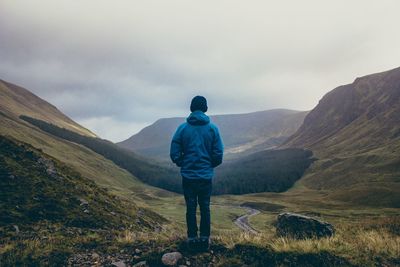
x: 149, y: 172
x: 48, y: 210
x: 241, y: 133
x: 51, y: 134
x: 354, y: 131
x: 16, y: 101
x: 68, y: 198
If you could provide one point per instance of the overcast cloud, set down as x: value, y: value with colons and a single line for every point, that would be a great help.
x: 117, y: 66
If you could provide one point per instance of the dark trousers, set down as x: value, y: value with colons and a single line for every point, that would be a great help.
x: 197, y: 191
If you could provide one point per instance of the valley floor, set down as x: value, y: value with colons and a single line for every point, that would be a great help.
x: 364, y: 236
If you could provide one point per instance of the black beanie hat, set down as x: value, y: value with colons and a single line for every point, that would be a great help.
x: 199, y: 103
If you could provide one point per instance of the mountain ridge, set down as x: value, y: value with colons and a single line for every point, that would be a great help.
x: 243, y: 132
x: 16, y: 100
x: 354, y: 131
x: 82, y: 159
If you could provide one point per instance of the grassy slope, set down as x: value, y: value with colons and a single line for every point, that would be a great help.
x: 150, y: 172
x: 36, y: 187
x: 90, y: 164
x: 271, y: 170
x: 40, y: 194
x: 354, y: 132
x: 364, y: 246
x: 172, y: 207
x: 16, y: 101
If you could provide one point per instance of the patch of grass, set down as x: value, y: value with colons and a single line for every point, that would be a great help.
x: 152, y: 173
x: 83, y: 160
x: 355, y: 243
x: 35, y: 187
x: 264, y: 206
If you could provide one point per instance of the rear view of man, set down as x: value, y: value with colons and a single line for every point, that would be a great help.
x: 197, y: 148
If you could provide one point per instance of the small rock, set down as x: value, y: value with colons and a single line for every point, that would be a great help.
x: 16, y: 228
x: 95, y: 255
x: 118, y: 264
x: 86, y: 211
x: 84, y: 202
x: 138, y: 251
x: 136, y: 257
x: 300, y: 226
x: 188, y: 263
x: 171, y: 259
x: 140, y: 264
x: 113, y: 213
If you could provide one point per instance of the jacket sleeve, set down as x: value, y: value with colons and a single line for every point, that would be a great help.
x: 176, y: 150
x: 217, y: 149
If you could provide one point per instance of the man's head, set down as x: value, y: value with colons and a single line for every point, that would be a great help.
x: 199, y: 103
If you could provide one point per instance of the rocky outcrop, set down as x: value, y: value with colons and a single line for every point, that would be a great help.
x: 301, y: 226
x: 171, y: 259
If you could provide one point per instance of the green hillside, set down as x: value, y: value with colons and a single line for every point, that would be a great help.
x: 83, y: 160
x: 264, y: 171
x: 68, y: 199
x: 16, y: 101
x: 38, y: 192
x: 36, y: 187
x: 271, y: 170
x: 354, y: 132
x: 148, y: 172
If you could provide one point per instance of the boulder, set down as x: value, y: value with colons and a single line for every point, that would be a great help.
x: 301, y: 226
x: 171, y: 259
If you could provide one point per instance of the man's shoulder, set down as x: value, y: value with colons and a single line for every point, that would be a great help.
x: 181, y: 126
x: 213, y: 126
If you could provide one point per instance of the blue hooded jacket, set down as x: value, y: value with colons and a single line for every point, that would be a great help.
x: 197, y: 147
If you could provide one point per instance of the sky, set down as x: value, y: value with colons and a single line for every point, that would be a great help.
x: 118, y: 66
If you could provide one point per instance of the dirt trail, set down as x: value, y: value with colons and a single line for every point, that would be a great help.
x: 243, y: 221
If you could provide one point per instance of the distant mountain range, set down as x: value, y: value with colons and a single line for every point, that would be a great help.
x: 354, y: 131
x: 351, y: 139
x: 51, y: 131
x: 242, y: 134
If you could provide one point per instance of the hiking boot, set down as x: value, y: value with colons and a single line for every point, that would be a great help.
x: 192, y: 244
x: 204, y: 243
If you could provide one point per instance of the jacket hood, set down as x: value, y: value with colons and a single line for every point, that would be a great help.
x: 198, y: 118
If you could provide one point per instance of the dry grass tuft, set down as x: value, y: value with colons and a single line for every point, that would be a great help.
x: 357, y: 243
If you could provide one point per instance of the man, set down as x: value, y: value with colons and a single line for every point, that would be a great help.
x: 197, y: 148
